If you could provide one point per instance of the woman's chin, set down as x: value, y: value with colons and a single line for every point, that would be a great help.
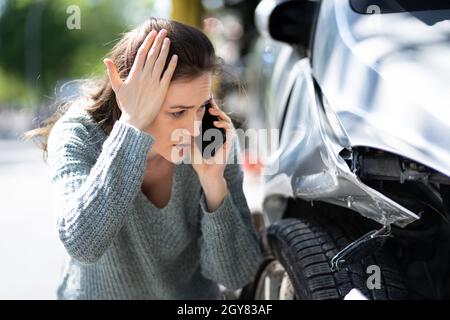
x: 176, y: 155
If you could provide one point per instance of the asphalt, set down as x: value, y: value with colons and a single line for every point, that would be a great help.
x: 30, y: 251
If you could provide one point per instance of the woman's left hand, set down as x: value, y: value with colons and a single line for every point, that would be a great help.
x: 213, y: 168
x: 211, y: 171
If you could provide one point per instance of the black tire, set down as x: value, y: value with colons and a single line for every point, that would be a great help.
x: 305, y: 249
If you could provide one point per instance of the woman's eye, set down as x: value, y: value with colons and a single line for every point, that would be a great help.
x: 177, y: 114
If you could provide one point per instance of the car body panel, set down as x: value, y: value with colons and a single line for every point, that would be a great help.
x: 370, y: 72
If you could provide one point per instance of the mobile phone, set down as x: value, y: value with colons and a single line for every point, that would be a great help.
x: 210, y: 141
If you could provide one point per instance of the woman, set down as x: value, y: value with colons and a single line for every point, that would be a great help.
x: 137, y: 223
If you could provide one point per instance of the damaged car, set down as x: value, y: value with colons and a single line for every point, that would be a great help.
x: 357, y: 194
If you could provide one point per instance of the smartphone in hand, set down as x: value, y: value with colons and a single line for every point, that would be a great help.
x: 210, y: 138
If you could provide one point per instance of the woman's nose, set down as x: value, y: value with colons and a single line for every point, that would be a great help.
x: 194, y: 125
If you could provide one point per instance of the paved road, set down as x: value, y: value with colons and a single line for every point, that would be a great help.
x: 30, y: 251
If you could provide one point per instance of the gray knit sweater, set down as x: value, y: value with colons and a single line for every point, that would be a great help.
x: 119, y: 244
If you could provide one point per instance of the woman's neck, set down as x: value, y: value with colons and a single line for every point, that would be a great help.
x: 153, y: 155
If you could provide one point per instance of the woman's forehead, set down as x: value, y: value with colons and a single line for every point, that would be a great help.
x: 190, y: 92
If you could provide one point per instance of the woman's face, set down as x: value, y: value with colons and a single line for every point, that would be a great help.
x: 180, y: 117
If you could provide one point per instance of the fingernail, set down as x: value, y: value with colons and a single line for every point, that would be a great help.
x: 153, y: 33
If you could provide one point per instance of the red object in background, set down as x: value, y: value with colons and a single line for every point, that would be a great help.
x: 250, y: 165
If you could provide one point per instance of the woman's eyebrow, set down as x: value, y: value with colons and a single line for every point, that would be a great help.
x: 182, y: 107
x: 187, y: 107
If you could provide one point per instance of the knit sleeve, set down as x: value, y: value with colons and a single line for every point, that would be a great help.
x: 230, y: 253
x: 95, y: 192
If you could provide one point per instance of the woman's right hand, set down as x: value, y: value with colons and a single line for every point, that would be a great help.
x: 142, y: 93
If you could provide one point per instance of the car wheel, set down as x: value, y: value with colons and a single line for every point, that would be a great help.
x: 297, y: 265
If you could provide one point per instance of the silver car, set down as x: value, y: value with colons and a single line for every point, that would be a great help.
x: 357, y: 194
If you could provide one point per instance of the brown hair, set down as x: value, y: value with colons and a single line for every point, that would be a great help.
x: 195, y: 52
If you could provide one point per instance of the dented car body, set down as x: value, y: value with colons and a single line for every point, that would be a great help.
x: 361, y: 102
x: 363, y: 88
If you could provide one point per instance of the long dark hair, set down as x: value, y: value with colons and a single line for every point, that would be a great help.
x: 196, y: 55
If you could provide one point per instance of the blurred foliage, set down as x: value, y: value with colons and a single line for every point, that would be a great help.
x: 14, y: 88
x: 37, y: 49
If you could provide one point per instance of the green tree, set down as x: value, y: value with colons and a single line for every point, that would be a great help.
x: 37, y: 48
